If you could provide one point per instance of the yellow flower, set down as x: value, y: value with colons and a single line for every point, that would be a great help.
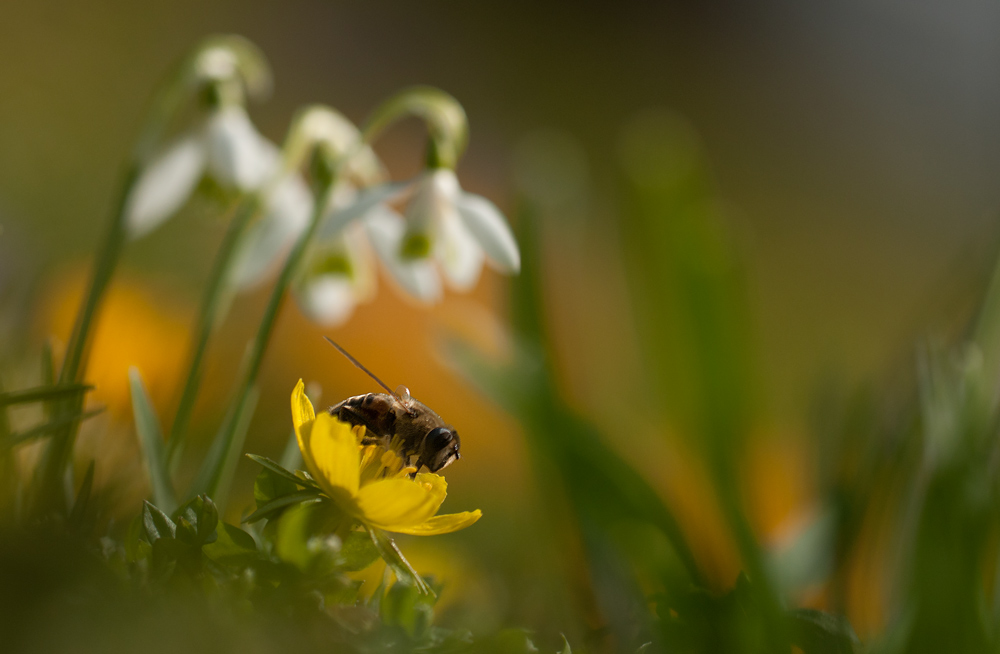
x: 370, y: 483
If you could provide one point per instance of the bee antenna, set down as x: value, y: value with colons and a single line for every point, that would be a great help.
x: 360, y: 365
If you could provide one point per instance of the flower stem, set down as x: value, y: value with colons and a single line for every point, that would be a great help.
x: 213, y: 306
x: 56, y: 455
x: 225, y: 449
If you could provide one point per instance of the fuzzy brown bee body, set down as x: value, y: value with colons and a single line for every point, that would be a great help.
x: 418, y: 432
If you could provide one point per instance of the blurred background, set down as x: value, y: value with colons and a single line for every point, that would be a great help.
x: 853, y: 147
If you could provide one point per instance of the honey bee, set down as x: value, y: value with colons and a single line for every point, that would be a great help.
x: 395, y: 419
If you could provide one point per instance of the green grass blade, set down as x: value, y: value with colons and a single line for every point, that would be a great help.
x: 147, y: 427
x: 46, y: 428
x: 43, y: 393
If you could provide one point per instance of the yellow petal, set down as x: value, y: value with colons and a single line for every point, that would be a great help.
x: 392, y: 503
x: 435, y: 484
x: 302, y: 408
x: 442, y: 524
x: 331, y: 453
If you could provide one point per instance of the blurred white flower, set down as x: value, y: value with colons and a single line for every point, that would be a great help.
x: 226, y: 146
x: 443, y: 229
x: 339, y: 268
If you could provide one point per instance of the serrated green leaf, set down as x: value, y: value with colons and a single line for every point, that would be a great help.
x: 357, y: 551
x: 156, y: 524
x: 394, y: 559
x: 147, y: 427
x: 281, y: 503
x: 43, y: 393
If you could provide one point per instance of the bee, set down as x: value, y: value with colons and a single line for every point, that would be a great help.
x: 395, y: 419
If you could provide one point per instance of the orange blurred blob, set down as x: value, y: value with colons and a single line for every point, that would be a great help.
x: 777, y: 486
x: 136, y: 326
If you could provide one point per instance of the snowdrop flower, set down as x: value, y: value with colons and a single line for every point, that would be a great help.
x: 223, y: 144
x: 338, y: 271
x: 444, y: 231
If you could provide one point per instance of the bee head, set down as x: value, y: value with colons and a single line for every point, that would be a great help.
x: 440, y: 447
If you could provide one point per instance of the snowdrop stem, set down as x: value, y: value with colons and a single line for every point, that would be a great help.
x: 60, y: 446
x: 213, y: 306
x: 167, y: 101
x: 229, y: 441
x: 447, y: 125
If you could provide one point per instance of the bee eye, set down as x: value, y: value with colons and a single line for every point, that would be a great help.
x: 438, y: 439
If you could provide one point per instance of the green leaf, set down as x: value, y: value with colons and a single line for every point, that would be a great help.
x: 156, y: 524
x: 147, y: 427
x: 394, y: 559
x: 233, y: 545
x: 357, y: 551
x: 281, y: 503
x: 566, y: 648
x: 43, y: 393
x: 405, y: 606
x: 220, y: 462
x: 269, y: 486
x: 821, y: 633
x: 133, y: 538
x: 291, y: 458
x: 300, y: 541
x: 196, y: 521
x: 46, y: 428
x: 282, y: 472
x: 79, y: 509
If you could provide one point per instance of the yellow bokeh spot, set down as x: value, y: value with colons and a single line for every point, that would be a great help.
x: 135, y: 327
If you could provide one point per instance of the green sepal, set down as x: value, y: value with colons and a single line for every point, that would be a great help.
x: 156, y: 524
x: 196, y: 521
x: 394, y: 559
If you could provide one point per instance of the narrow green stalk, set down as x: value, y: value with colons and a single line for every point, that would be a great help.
x: 212, y: 307
x: 56, y: 455
x: 764, y: 591
x: 226, y: 446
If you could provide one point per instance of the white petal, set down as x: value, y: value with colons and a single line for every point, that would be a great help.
x: 491, y: 231
x: 365, y: 200
x: 457, y: 251
x: 327, y: 299
x: 434, y: 195
x: 285, y: 216
x: 418, y: 278
x: 165, y: 184
x: 238, y: 156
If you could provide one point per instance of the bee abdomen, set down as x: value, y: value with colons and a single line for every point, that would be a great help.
x: 373, y: 411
